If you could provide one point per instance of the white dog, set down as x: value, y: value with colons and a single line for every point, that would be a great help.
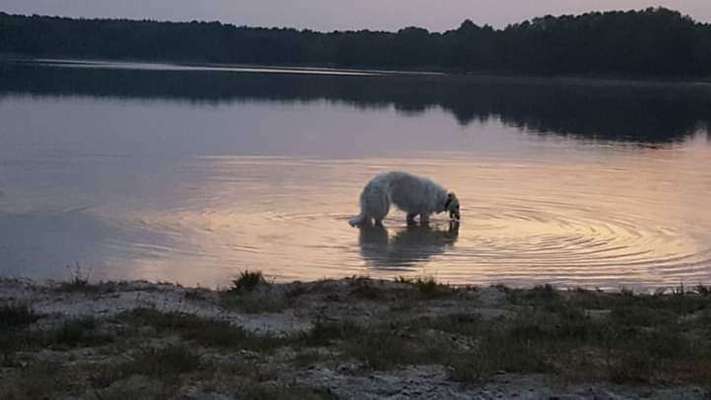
x: 413, y: 194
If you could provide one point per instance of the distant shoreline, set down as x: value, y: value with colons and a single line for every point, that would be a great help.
x: 639, y: 44
x: 596, y: 80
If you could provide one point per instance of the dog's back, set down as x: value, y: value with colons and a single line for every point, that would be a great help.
x: 412, y: 193
x: 408, y: 192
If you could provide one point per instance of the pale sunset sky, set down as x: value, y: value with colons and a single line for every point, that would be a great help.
x: 326, y: 15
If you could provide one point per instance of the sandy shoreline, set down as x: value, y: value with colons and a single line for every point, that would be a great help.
x: 349, y: 338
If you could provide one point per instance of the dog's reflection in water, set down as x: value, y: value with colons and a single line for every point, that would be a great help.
x: 406, y: 247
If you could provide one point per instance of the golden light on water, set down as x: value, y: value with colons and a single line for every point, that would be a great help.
x: 618, y: 218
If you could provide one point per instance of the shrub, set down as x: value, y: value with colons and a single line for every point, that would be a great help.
x: 247, y: 281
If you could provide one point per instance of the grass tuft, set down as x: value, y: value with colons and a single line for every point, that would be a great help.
x: 244, y: 296
x: 78, y: 281
x: 14, y: 315
x: 427, y: 287
x: 703, y: 290
x: 77, y: 332
x: 247, y: 281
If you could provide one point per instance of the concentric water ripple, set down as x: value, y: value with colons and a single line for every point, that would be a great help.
x: 195, y: 192
x: 566, y: 245
x: 590, y: 227
x: 515, y: 231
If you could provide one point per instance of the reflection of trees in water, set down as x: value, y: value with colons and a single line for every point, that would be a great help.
x: 407, y: 246
x: 626, y: 111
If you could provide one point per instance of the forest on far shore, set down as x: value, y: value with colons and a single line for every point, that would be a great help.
x: 644, y: 43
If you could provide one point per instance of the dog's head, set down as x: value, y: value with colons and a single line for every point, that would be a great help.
x: 452, y: 206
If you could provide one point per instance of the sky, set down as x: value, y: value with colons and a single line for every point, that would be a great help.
x: 326, y: 15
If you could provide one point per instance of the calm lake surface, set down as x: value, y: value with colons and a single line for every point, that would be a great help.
x: 192, y: 174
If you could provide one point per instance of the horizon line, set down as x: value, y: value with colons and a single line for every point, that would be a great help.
x: 230, y: 24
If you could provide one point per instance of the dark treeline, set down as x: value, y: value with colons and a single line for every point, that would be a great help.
x: 651, y: 42
x: 649, y: 113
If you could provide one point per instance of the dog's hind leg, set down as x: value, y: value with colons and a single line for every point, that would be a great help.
x: 377, y: 206
x: 374, y: 204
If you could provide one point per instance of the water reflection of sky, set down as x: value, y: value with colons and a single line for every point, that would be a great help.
x: 135, y: 185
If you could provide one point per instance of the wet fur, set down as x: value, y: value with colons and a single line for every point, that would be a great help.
x: 412, y: 194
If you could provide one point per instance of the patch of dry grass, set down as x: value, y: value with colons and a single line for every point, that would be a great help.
x: 37, y: 380
x: 256, y: 302
x: 16, y: 315
x: 206, y: 332
x: 252, y: 294
x: 578, y: 335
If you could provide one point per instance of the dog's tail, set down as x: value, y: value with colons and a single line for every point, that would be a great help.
x: 358, y: 220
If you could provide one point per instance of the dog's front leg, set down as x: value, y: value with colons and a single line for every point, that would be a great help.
x: 411, y: 219
x: 424, y: 219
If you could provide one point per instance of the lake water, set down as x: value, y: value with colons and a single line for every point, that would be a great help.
x: 192, y: 174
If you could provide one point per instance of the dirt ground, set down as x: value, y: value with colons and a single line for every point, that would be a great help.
x: 350, y: 339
